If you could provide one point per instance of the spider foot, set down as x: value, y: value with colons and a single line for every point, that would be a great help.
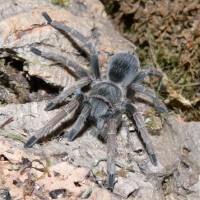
x: 110, y: 181
x: 49, y: 106
x: 72, y: 135
x: 30, y: 142
x: 36, y: 51
x: 153, y: 159
x: 47, y: 17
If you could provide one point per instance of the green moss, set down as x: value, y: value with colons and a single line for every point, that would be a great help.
x: 13, y: 136
x: 166, y: 61
x: 122, y: 172
x: 154, y: 123
x: 101, y: 173
x: 62, y: 3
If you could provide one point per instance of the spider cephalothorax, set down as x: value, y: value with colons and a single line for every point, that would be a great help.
x: 107, y: 100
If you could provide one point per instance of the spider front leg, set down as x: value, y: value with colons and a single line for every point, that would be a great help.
x: 112, y: 126
x: 79, y: 122
x: 140, y: 123
x: 66, y: 92
x: 86, y: 43
x: 157, y: 104
x: 55, y: 122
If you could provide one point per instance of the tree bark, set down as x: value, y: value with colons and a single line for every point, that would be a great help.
x: 68, y: 163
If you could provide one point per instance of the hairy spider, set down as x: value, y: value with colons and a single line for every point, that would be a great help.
x: 107, y: 100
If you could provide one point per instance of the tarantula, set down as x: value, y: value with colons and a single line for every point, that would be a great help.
x: 107, y: 100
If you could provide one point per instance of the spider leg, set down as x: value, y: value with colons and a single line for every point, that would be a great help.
x: 94, y: 62
x: 74, y: 33
x: 101, y: 125
x: 62, y: 60
x: 55, y: 122
x: 79, y: 122
x: 146, y: 72
x: 157, y: 104
x: 140, y: 123
x: 112, y: 126
x: 66, y: 92
x: 69, y: 31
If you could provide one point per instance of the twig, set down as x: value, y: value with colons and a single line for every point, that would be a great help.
x: 6, y: 122
x: 190, y: 84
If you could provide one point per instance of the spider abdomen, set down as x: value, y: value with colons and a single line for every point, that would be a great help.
x: 123, y: 68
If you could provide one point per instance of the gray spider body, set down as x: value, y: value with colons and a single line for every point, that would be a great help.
x: 99, y: 108
x: 107, y: 91
x: 105, y: 97
x: 107, y: 100
x: 109, y: 95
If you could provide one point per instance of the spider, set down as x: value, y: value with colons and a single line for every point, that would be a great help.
x: 107, y: 100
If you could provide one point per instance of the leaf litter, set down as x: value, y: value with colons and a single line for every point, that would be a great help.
x: 167, y: 34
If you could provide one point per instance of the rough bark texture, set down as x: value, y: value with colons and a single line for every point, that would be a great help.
x: 69, y: 163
